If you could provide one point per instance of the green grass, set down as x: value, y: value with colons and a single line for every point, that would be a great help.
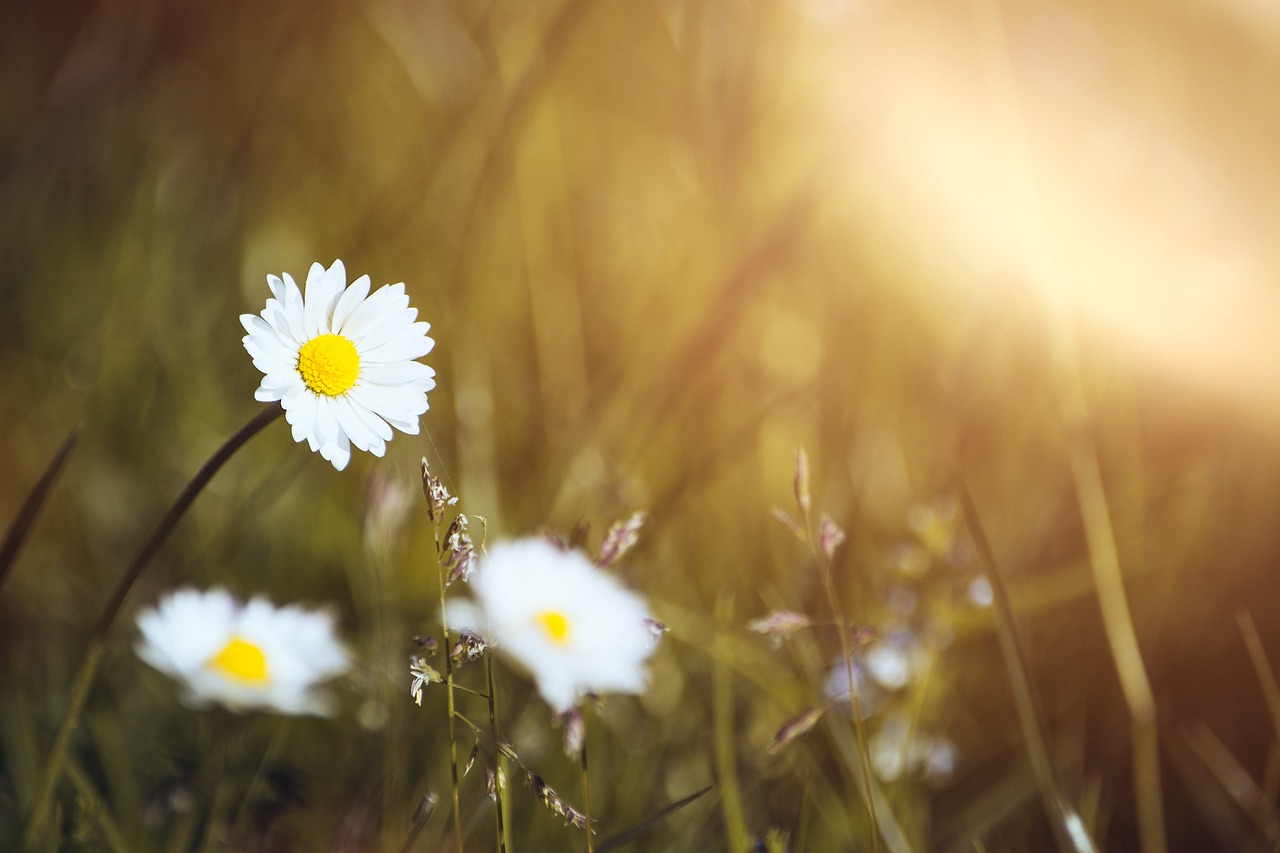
x: 662, y: 246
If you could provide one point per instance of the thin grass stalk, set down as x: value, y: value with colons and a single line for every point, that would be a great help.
x: 1069, y: 830
x: 438, y: 498
x: 228, y: 741
x: 1261, y: 667
x: 101, y: 815
x: 725, y: 731
x: 499, y: 761
x: 448, y: 685
x: 1236, y: 782
x: 844, y: 629
x: 859, y: 720
x: 98, y: 638
x: 258, y: 783
x: 586, y: 788
x: 420, y: 817
x: 1122, y: 639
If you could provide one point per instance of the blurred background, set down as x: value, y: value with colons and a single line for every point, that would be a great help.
x: 662, y: 244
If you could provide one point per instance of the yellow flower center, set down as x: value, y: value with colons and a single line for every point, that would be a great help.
x: 556, y: 626
x: 329, y: 364
x: 241, y: 660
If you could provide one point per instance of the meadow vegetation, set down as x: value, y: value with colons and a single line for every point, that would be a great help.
x: 928, y: 350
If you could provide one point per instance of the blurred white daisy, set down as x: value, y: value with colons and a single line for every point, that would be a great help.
x: 572, y: 626
x: 341, y: 361
x: 242, y: 656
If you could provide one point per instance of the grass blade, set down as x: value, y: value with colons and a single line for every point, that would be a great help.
x: 1069, y: 829
x: 630, y: 834
x: 1262, y: 667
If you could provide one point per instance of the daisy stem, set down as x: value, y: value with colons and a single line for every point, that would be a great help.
x: 499, y: 774
x: 586, y: 787
x: 79, y: 692
x: 21, y: 524
x: 448, y: 685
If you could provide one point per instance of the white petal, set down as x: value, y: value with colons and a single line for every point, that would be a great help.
x: 399, y: 409
x: 300, y: 412
x: 388, y: 326
x: 350, y: 300
x: 395, y: 372
x: 360, y: 435
x: 313, y: 302
x: 338, y: 453
x: 385, y: 300
x: 327, y: 428
x: 277, y: 287
x: 408, y: 344
x: 369, y: 422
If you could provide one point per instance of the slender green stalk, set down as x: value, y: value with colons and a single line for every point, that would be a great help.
x: 859, y: 722
x: 1069, y: 830
x: 586, y: 788
x: 101, y: 814
x: 844, y: 629
x: 448, y: 685
x: 725, y: 729
x: 79, y: 692
x: 1122, y: 639
x: 499, y: 761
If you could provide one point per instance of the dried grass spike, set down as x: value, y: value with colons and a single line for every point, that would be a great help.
x: 830, y: 536
x: 788, y: 522
x: 796, y: 727
x: 437, y: 495
x: 780, y: 624
x: 621, y: 538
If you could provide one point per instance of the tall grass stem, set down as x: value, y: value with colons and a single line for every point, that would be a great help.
x: 1068, y: 828
x: 725, y: 729
x: 499, y: 762
x: 804, y: 503
x: 1122, y: 639
x: 449, y: 699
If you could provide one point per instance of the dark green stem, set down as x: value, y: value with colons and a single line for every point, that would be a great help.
x: 17, y: 531
x: 98, y: 639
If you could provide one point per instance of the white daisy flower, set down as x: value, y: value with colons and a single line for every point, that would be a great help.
x: 341, y: 361
x: 242, y: 656
x: 573, y: 627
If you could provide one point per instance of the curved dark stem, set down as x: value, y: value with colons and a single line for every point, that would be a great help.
x: 179, y: 507
x: 97, y: 640
x: 17, y: 531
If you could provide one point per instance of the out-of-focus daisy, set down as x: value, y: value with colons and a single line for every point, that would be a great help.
x: 341, y: 361
x: 245, y: 656
x: 569, y: 624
